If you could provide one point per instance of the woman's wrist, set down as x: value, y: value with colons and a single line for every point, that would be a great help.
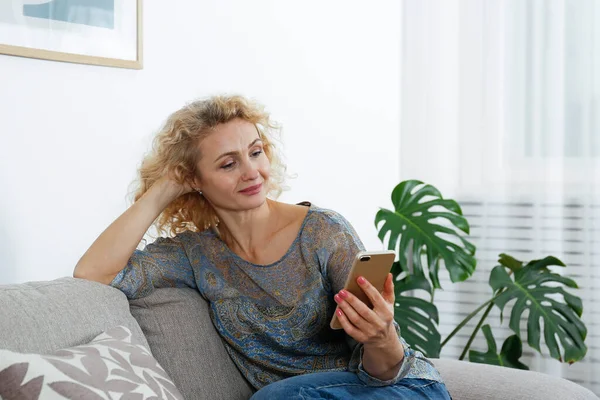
x: 163, y: 192
x: 383, y: 360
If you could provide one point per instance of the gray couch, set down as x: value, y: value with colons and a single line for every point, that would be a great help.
x: 41, y: 317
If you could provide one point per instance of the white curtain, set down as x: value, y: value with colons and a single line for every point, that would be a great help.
x: 500, y: 109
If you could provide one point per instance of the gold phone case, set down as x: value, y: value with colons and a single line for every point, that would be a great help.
x: 374, y: 266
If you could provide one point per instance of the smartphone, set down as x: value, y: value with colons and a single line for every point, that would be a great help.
x: 374, y: 266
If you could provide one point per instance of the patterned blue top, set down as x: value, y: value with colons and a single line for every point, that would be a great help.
x: 274, y: 319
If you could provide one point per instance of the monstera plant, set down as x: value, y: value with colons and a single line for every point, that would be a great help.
x: 429, y: 232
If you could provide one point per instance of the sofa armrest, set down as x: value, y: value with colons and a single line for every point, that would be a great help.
x: 470, y: 381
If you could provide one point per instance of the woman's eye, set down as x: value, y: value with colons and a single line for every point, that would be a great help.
x: 257, y: 153
x: 227, y: 166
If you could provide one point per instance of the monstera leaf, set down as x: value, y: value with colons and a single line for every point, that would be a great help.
x: 418, y: 318
x: 414, y: 231
x: 537, y: 289
x: 512, y: 350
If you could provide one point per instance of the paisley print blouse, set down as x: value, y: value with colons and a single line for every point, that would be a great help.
x: 274, y: 319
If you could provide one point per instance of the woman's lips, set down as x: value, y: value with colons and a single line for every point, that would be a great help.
x: 252, y: 189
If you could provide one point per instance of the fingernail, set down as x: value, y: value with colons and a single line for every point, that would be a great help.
x: 361, y: 280
x: 337, y: 298
x: 339, y: 312
x: 343, y: 294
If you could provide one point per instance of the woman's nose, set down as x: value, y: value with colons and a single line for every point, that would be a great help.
x: 249, y: 171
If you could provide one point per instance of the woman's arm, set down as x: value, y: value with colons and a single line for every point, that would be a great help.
x: 109, y: 253
x: 375, y: 340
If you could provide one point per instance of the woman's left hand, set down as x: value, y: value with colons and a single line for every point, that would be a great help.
x: 372, y: 327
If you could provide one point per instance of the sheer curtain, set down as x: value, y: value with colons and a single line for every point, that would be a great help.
x: 500, y: 109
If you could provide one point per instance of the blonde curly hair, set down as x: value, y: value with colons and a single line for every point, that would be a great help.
x: 175, y: 151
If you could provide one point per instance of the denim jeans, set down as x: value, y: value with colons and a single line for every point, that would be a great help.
x: 346, y: 385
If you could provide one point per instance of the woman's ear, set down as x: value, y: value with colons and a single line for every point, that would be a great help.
x: 196, y: 184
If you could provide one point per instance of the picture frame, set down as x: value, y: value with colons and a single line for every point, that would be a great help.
x: 94, y: 32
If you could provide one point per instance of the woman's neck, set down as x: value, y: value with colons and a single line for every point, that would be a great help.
x: 245, y: 231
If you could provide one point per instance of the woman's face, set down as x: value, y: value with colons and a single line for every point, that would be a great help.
x: 233, y: 167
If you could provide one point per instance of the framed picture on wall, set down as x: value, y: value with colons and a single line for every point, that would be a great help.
x: 97, y: 32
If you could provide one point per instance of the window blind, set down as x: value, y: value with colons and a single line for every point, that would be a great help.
x: 527, y: 230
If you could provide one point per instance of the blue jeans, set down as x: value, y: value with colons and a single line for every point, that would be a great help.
x: 346, y: 385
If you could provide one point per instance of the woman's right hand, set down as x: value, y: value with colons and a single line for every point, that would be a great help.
x: 169, y: 187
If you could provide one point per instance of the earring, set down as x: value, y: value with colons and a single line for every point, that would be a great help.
x: 199, y: 192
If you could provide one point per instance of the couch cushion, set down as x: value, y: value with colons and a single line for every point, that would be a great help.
x: 177, y: 324
x: 470, y: 381
x: 41, y: 317
x: 113, y: 362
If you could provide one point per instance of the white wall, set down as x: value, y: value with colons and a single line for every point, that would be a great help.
x: 73, y: 135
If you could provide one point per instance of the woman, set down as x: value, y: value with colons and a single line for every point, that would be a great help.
x: 272, y: 272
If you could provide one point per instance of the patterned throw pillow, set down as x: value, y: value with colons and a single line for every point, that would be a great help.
x: 112, y: 366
